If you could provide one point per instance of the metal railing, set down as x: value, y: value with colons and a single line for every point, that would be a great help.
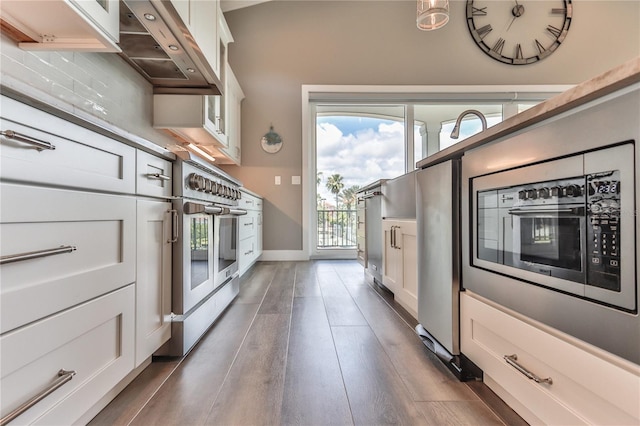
x: 336, y: 228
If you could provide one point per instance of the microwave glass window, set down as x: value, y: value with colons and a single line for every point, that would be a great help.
x: 552, y: 241
x: 199, y: 229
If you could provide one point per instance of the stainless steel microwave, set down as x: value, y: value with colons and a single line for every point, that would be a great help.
x: 567, y: 224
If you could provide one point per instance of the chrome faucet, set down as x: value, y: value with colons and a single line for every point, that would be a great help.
x: 456, y: 129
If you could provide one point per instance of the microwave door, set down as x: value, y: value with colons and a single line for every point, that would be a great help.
x: 550, y: 241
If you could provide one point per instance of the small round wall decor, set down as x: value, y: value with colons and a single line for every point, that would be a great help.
x: 271, y: 142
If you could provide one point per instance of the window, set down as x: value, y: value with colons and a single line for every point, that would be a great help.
x: 357, y: 135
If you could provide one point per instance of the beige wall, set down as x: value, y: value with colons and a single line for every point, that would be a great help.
x: 281, y: 45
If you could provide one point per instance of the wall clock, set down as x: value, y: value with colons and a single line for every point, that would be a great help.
x: 271, y: 142
x: 519, y: 32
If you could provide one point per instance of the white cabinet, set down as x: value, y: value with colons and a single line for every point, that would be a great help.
x: 80, y: 25
x: 201, y: 19
x: 67, y: 247
x: 85, y: 263
x: 400, y: 262
x: 153, y: 175
x: 234, y: 96
x: 250, y: 232
x: 191, y: 117
x: 43, y: 149
x: 153, y: 277
x: 94, y: 339
x: 586, y: 386
x: 212, y: 123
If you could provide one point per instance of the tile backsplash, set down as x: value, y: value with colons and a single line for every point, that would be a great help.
x: 102, y: 85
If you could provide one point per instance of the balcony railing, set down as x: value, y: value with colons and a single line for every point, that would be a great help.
x: 336, y: 228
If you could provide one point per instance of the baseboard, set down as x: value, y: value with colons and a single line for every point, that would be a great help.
x: 284, y: 255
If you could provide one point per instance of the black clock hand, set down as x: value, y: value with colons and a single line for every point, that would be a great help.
x: 517, y: 11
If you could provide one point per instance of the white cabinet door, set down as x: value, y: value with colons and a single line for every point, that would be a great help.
x: 390, y: 256
x: 586, y: 385
x: 94, y: 339
x: 153, y: 277
x: 406, y: 292
x: 153, y: 175
x: 49, y: 150
x: 400, y: 257
x: 105, y: 14
x: 66, y: 25
x: 99, y: 231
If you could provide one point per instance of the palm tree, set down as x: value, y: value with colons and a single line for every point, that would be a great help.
x: 349, y: 196
x: 335, y: 185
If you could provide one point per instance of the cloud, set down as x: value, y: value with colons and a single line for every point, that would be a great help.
x: 361, y: 157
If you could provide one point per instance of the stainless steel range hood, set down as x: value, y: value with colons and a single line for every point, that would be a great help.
x: 155, y: 41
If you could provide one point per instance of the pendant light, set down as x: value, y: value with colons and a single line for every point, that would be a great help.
x: 432, y: 14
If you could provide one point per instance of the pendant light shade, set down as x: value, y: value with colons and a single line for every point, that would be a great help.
x: 432, y: 14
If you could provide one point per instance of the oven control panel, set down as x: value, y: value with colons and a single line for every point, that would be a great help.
x: 603, y: 229
x: 199, y: 184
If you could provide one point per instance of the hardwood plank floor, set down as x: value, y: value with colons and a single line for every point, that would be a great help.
x: 306, y: 343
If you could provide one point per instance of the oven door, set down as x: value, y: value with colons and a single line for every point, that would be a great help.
x: 193, y: 257
x: 549, y: 240
x: 226, y: 245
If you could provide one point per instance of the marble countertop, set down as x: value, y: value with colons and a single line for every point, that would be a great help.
x: 601, y: 85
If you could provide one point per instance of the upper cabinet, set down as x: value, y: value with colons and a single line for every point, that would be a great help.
x: 79, y: 25
x: 201, y: 19
x: 209, y: 123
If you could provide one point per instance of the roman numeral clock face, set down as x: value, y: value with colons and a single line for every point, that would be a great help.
x: 519, y: 32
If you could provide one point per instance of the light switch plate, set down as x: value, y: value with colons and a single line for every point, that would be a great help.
x: 295, y: 180
x: 278, y: 180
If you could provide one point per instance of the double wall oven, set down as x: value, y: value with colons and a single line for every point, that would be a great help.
x: 205, y: 270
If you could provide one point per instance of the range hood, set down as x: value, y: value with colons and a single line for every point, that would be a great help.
x: 159, y: 46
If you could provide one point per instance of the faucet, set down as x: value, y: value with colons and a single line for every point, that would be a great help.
x: 456, y: 129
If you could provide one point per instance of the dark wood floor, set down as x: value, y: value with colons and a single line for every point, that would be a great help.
x: 306, y: 343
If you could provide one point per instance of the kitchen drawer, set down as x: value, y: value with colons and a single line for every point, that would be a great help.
x: 101, y: 228
x: 95, y: 339
x: 153, y: 175
x: 250, y: 202
x: 81, y: 158
x: 248, y: 254
x: 588, y: 385
x: 248, y: 225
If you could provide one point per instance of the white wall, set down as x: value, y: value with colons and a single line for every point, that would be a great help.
x: 281, y: 45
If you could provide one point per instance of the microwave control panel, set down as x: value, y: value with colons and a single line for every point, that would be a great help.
x: 603, y: 230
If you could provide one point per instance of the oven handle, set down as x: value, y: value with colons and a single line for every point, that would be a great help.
x: 237, y: 212
x: 194, y: 208
x: 577, y: 211
x: 369, y: 195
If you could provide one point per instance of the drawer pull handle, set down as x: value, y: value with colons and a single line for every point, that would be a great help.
x: 512, y: 361
x: 158, y: 176
x: 40, y: 145
x: 174, y: 226
x: 63, y: 377
x: 36, y: 254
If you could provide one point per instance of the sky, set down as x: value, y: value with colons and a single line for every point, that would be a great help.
x: 361, y: 149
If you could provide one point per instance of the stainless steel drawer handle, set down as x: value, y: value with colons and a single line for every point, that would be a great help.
x: 174, y: 226
x: 63, y: 377
x: 10, y: 258
x: 512, y: 361
x: 39, y: 144
x: 158, y: 176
